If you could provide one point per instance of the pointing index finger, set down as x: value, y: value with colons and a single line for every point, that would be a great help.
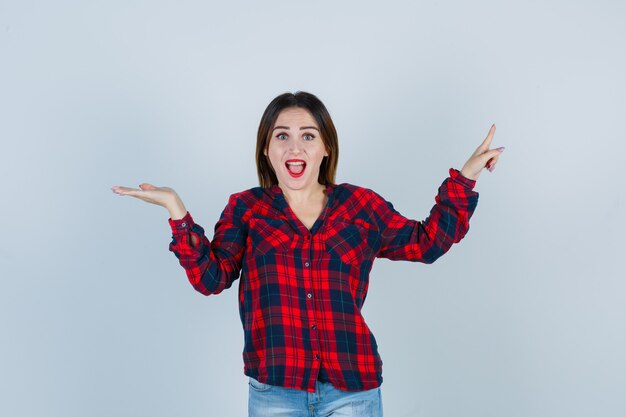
x: 487, y: 142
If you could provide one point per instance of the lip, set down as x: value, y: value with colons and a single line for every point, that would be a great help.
x: 291, y: 173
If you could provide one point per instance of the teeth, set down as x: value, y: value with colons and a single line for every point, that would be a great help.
x: 295, y: 163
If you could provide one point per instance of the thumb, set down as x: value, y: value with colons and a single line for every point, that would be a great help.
x: 146, y: 186
x: 485, y: 157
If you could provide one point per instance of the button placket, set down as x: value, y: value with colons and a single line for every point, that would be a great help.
x: 308, y: 254
x: 307, y: 248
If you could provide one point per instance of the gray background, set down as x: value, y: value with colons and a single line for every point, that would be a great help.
x: 525, y: 317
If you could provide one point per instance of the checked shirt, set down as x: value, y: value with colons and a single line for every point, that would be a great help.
x: 301, y: 291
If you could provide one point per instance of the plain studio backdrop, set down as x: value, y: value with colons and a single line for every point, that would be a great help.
x: 525, y: 317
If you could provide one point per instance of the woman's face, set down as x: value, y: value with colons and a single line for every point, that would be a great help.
x: 296, y: 149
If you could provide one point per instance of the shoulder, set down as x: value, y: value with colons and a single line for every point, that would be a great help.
x: 347, y: 191
x: 252, y: 197
x: 251, y: 194
x: 253, y: 200
x: 355, y: 201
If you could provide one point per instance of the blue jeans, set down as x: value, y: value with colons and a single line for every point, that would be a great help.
x: 271, y: 401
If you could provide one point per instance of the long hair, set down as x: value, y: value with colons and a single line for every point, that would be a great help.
x: 307, y: 101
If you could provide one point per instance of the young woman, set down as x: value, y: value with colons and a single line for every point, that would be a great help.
x: 304, y: 247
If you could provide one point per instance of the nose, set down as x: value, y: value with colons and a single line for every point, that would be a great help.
x: 295, y: 146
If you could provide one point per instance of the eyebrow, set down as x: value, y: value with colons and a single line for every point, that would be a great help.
x: 302, y: 128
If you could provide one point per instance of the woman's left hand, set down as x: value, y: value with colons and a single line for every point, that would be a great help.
x: 483, y: 157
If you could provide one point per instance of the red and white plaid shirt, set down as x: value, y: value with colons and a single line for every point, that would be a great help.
x: 301, y: 291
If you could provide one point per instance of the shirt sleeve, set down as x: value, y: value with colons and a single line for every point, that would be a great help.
x: 210, y: 266
x: 425, y: 241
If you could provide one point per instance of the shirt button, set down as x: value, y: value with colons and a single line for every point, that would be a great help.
x: 183, y: 224
x: 313, y: 327
x: 306, y: 264
x: 309, y: 295
x: 316, y: 356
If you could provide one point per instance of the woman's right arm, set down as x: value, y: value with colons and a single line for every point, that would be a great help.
x: 210, y: 266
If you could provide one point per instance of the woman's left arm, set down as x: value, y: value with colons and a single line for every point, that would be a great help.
x: 448, y: 222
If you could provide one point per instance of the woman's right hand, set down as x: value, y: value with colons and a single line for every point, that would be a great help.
x: 161, y: 196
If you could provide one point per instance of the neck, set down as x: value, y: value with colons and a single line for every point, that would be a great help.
x: 305, y: 195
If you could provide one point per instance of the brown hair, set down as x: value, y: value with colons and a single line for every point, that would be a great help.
x: 307, y: 101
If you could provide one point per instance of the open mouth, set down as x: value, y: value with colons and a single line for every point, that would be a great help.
x: 295, y: 167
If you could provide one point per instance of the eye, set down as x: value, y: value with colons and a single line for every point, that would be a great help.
x: 281, y: 136
x: 309, y: 137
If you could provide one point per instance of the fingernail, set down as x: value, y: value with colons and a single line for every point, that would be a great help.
x: 501, y: 149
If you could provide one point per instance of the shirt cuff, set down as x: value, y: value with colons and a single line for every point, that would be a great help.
x: 181, y: 226
x: 456, y: 175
